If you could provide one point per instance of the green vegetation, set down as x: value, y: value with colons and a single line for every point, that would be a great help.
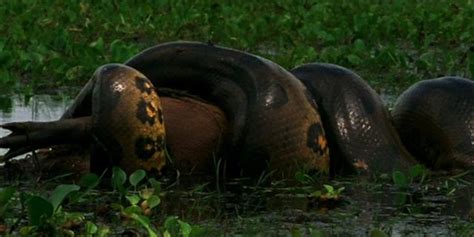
x: 139, y: 204
x: 46, y: 216
x: 47, y: 43
x: 329, y: 193
x: 402, y: 180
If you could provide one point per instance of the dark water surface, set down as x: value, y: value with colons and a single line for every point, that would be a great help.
x: 18, y: 108
x: 441, y: 206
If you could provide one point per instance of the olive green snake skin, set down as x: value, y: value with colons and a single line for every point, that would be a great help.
x: 435, y: 120
x: 279, y: 122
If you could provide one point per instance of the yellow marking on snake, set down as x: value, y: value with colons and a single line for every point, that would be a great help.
x: 322, y: 142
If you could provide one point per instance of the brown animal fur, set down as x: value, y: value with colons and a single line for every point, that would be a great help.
x: 194, y: 132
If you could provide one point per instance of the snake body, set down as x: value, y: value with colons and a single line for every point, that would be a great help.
x: 127, y: 119
x: 273, y: 121
x: 256, y: 116
x: 358, y: 126
x: 273, y: 124
x: 435, y: 120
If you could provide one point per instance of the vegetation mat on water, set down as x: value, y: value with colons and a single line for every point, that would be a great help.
x: 45, y: 44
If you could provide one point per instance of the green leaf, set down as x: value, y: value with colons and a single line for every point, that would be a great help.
x: 136, y: 177
x: 359, y: 45
x: 6, y: 194
x: 295, y: 232
x: 120, y: 51
x: 142, y: 220
x: 171, y: 225
x: 38, y: 210
x: 103, y: 231
x: 153, y: 201
x: 91, y: 228
x: 377, y: 233
x: 98, y: 44
x: 317, y: 233
x: 129, y: 211
x: 146, y: 193
x: 133, y: 199
x: 198, y: 231
x: 156, y: 185
x: 118, y: 179
x: 89, y: 180
x: 5, y: 76
x: 61, y: 192
x: 27, y: 230
x: 354, y: 59
x: 329, y: 188
x: 399, y: 179
x: 416, y: 171
x: 116, y: 206
x: 300, y: 177
x: 317, y: 193
x: 73, y: 73
x: 185, y: 228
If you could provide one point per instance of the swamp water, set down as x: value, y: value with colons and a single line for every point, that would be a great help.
x: 439, y: 206
x: 19, y: 108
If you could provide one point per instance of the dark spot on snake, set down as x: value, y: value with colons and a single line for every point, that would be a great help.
x: 143, y: 85
x: 315, y: 139
x: 145, y: 112
x: 145, y: 148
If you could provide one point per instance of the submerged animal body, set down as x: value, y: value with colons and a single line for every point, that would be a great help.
x: 435, y: 120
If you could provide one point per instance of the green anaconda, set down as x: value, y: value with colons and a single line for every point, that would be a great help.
x: 358, y: 126
x: 273, y: 124
x: 432, y: 121
x: 272, y: 121
x: 435, y: 120
x: 263, y: 117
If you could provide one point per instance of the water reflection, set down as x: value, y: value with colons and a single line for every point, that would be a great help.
x: 31, y: 108
x: 428, y: 209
